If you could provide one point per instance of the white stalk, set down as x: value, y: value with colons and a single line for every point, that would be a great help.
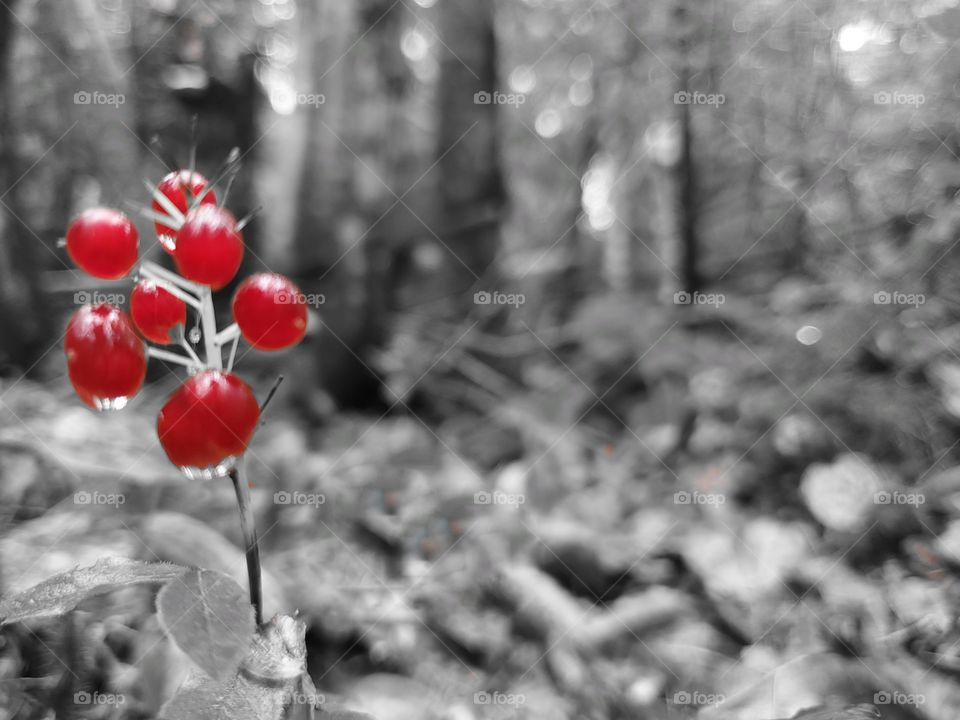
x: 233, y: 353
x: 208, y: 326
x: 190, y: 351
x: 172, y: 357
x: 164, y: 220
x: 172, y: 289
x: 164, y: 202
x: 228, y: 334
x: 158, y: 272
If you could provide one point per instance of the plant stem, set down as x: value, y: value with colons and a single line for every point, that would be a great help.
x: 168, y: 356
x: 249, y: 531
x: 208, y: 323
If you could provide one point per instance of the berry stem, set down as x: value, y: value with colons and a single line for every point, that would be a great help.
x: 233, y: 353
x: 173, y: 357
x: 190, y: 351
x: 164, y: 202
x: 252, y: 546
x: 153, y: 271
x: 165, y: 220
x: 208, y: 326
x: 229, y: 333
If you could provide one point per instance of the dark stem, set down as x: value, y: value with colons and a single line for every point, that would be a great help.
x: 249, y: 530
x: 273, y: 391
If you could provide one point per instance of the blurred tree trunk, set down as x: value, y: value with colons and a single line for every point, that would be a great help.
x: 470, y: 184
x: 799, y: 235
x: 328, y: 31
x: 23, y: 318
x: 340, y: 204
x: 686, y: 199
x: 565, y: 288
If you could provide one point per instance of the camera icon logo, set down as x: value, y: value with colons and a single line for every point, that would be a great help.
x: 884, y: 497
x: 82, y: 497
x: 882, y: 298
x: 481, y: 698
x: 682, y: 298
x: 82, y: 698
x: 882, y: 98
x: 682, y: 497
x: 882, y: 698
x: 482, y: 98
x: 482, y: 498
x: 82, y: 97
x: 282, y: 497
x: 482, y: 298
x: 682, y: 698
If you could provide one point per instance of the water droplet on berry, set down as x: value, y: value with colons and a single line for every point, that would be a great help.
x: 211, y: 472
x: 194, y: 335
x: 107, y: 404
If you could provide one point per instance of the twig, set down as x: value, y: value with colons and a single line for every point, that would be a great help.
x: 273, y: 391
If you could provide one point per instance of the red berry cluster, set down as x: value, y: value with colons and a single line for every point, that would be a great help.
x: 209, y: 420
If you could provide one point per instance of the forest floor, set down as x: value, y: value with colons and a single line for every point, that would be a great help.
x: 701, y: 515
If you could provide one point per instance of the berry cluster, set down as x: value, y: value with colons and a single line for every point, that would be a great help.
x: 209, y: 420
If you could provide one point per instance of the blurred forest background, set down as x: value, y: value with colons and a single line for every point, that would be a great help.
x: 676, y: 281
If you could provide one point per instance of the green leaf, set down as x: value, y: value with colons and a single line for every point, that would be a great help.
x: 208, y: 616
x: 62, y: 593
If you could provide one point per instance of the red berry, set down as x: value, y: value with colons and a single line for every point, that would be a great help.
x: 103, y: 242
x: 106, y: 360
x: 209, y: 247
x: 210, y: 418
x: 156, y: 311
x: 182, y: 189
x: 270, y: 311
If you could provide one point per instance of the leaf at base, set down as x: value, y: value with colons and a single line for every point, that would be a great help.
x: 62, y: 593
x: 208, y: 616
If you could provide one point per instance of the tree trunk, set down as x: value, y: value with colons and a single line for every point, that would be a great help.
x: 23, y: 318
x: 686, y: 200
x: 471, y: 186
